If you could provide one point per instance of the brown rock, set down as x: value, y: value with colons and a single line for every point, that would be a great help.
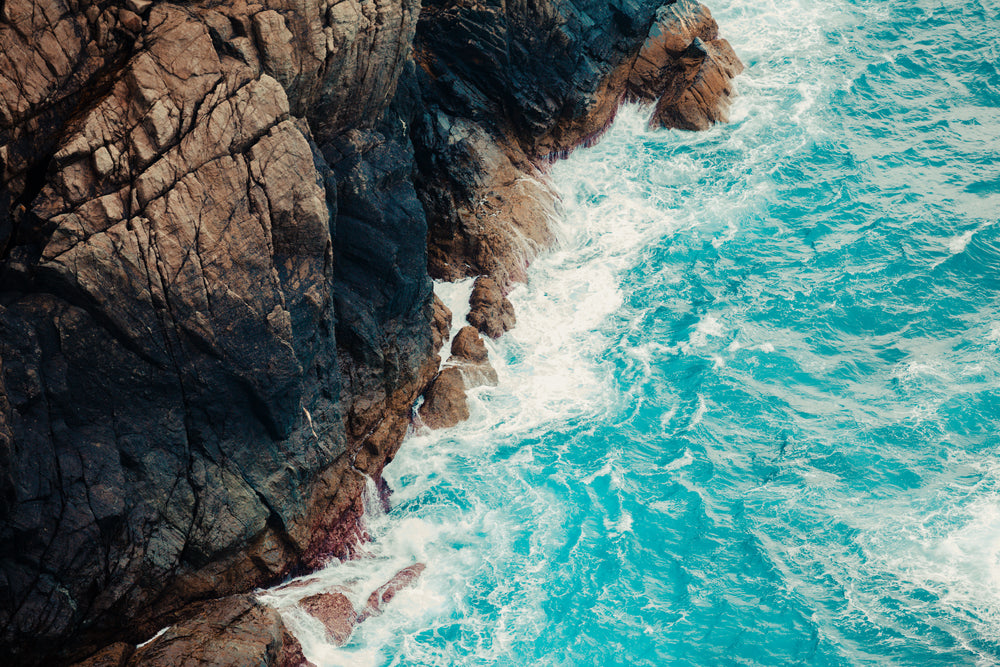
x: 468, y: 346
x: 469, y: 355
x: 677, y: 25
x: 501, y: 222
x: 441, y: 323
x: 387, y: 591
x: 700, y: 93
x: 291, y: 652
x: 445, y: 403
x: 336, y: 613
x: 116, y: 655
x: 235, y: 631
x: 492, y: 313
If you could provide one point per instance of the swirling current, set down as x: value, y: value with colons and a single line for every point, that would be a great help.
x: 749, y: 414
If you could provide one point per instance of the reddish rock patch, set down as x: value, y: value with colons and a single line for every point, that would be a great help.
x: 387, y: 591
x: 336, y: 613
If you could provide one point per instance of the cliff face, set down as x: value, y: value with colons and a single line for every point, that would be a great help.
x: 218, y: 223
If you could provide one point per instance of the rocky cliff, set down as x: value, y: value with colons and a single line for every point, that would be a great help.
x: 219, y: 222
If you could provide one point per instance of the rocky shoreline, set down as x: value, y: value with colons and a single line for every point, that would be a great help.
x: 219, y: 223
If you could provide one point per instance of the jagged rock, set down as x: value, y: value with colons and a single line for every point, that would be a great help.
x: 445, y: 403
x: 492, y: 313
x: 384, y: 594
x: 235, y: 631
x: 116, y: 655
x: 184, y: 325
x: 468, y: 346
x: 336, y: 613
x: 291, y: 653
x: 469, y: 355
x: 441, y: 322
x: 699, y: 96
x: 491, y: 206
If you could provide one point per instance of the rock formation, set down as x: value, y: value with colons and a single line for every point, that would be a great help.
x: 218, y: 227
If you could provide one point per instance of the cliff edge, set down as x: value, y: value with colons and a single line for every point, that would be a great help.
x: 219, y: 222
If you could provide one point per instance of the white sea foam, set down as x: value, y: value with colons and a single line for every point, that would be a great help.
x: 957, y: 244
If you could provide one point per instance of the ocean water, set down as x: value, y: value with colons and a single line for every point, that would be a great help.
x: 749, y: 415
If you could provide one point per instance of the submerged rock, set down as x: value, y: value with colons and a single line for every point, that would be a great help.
x: 384, y: 594
x: 338, y: 615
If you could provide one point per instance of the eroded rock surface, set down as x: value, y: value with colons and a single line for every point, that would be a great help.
x: 233, y: 631
x: 335, y: 611
x: 216, y: 226
x: 491, y: 311
x: 445, y: 403
x: 469, y: 355
x: 214, y: 305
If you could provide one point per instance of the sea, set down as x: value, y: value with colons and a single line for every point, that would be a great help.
x: 749, y: 413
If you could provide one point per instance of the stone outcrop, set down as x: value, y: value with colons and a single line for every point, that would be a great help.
x: 335, y: 611
x: 503, y: 88
x: 218, y: 225
x: 236, y: 631
x: 469, y: 355
x: 214, y: 305
x: 491, y: 312
x: 445, y: 403
x: 338, y: 615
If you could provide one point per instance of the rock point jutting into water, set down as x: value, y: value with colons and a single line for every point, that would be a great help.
x: 219, y: 223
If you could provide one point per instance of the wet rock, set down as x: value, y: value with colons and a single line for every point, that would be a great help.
x: 445, y: 403
x: 491, y: 312
x: 469, y: 355
x: 384, y: 594
x: 490, y: 206
x: 700, y: 94
x: 291, y: 653
x: 235, y: 631
x: 469, y: 346
x: 441, y: 323
x: 336, y: 613
x: 116, y: 655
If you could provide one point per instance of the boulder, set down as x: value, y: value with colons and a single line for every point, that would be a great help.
x: 445, y: 403
x: 335, y: 611
x: 469, y: 355
x: 468, y: 346
x: 491, y: 312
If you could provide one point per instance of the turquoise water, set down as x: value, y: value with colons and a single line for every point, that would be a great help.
x: 749, y: 414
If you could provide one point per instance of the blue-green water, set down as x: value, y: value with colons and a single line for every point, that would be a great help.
x: 749, y: 414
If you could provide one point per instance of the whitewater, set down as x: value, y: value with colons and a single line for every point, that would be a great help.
x: 749, y: 414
